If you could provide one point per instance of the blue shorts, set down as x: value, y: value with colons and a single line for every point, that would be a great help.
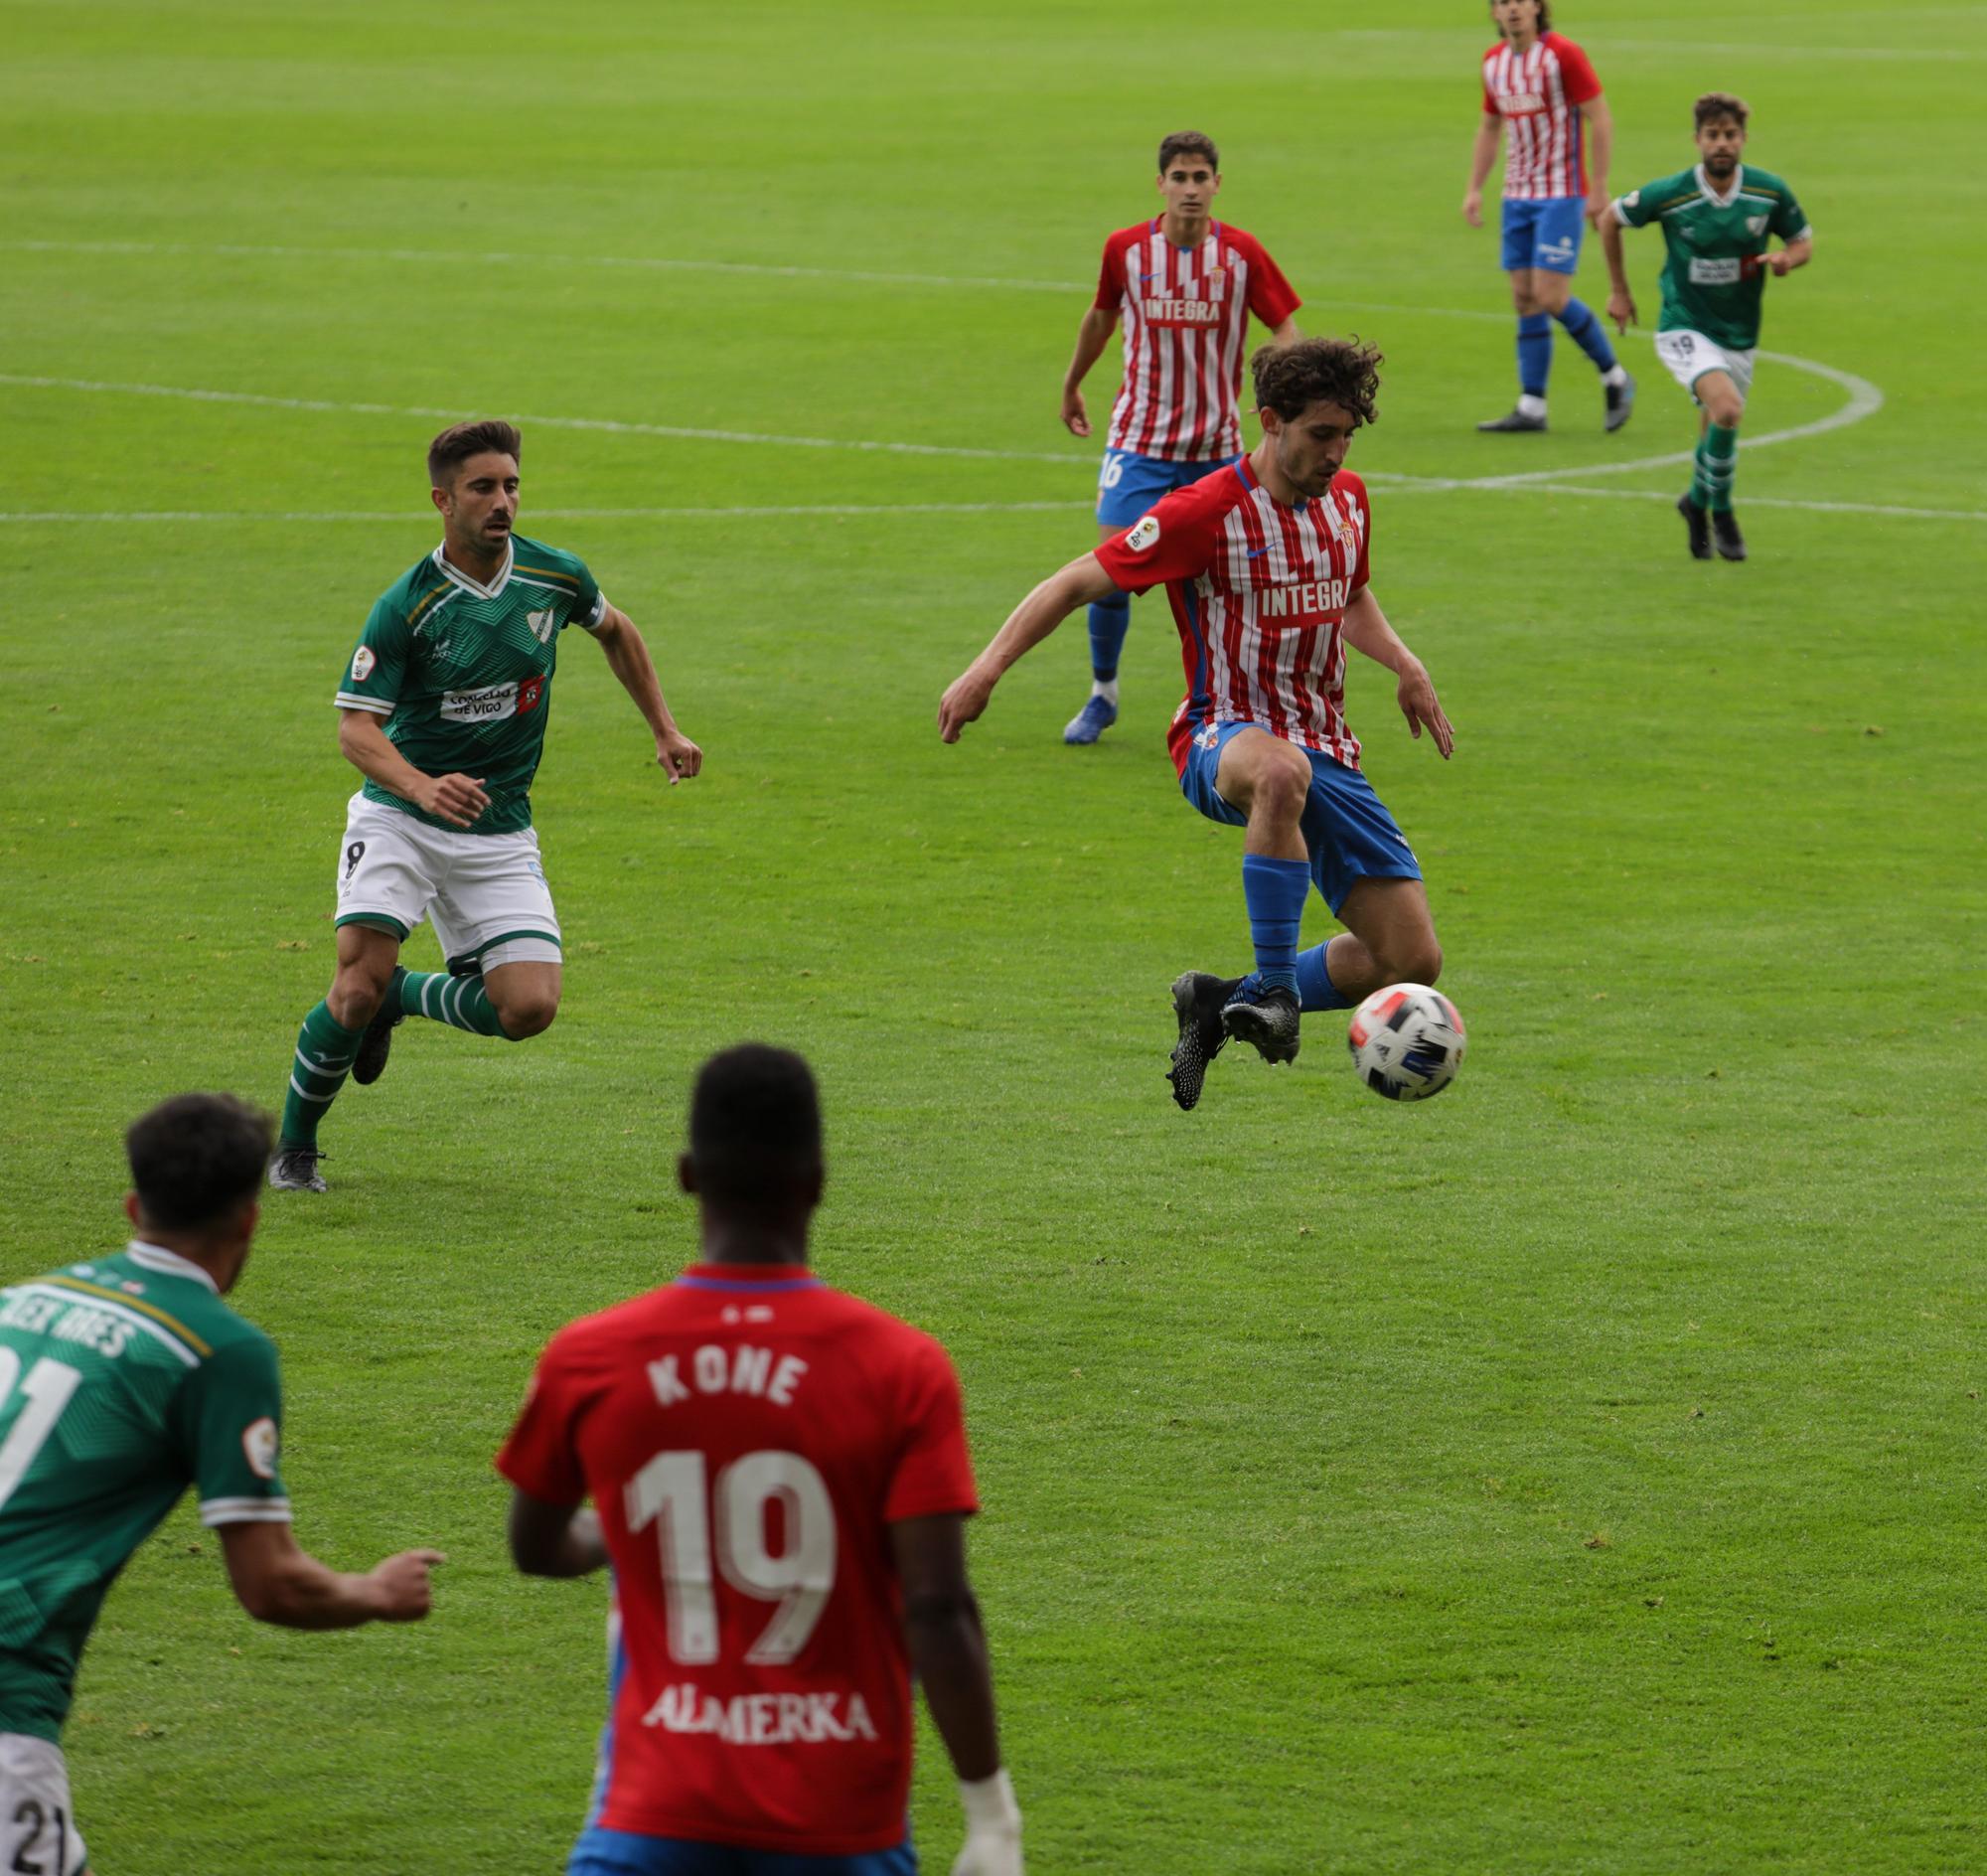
x: 1544, y: 233
x: 1346, y: 827
x: 1129, y: 485
x: 624, y: 1853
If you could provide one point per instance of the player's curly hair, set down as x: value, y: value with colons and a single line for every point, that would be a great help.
x: 1715, y: 105
x: 1290, y: 379
x: 1545, y: 19
x: 1188, y: 143
x: 197, y: 1156
x: 460, y: 441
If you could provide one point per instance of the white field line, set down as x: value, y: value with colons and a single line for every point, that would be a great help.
x: 1409, y: 485
x: 678, y: 431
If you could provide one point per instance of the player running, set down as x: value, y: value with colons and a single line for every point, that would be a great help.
x: 1184, y: 286
x: 780, y: 1479
x: 123, y: 1380
x: 1540, y: 87
x: 1716, y: 218
x: 443, y: 710
x: 1265, y: 565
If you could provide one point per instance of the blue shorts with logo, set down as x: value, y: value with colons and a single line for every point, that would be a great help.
x: 1129, y: 485
x: 624, y: 1853
x: 1544, y: 232
x: 1347, y: 829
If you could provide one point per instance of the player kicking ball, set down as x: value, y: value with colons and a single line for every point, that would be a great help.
x: 1718, y: 220
x: 1183, y: 286
x: 443, y: 710
x: 1264, y: 563
x: 780, y: 1482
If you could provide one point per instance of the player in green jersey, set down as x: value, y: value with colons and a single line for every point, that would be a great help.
x: 123, y: 1380
x: 442, y: 710
x: 1718, y: 218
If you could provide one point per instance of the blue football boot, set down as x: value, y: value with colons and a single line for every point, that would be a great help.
x: 1092, y: 720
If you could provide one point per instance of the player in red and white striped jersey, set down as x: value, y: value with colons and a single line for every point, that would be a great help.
x: 1266, y: 565
x: 1540, y: 89
x: 1183, y: 286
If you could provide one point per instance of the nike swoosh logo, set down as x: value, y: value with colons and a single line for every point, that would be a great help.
x: 1256, y: 554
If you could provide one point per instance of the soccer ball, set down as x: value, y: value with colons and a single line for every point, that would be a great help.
x: 1407, y: 1042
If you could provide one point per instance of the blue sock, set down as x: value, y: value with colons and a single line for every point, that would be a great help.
x: 1274, y: 890
x: 1588, y: 333
x: 1109, y: 620
x: 1316, y: 990
x: 1535, y: 353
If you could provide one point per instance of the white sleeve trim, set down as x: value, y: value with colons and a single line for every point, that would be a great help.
x: 215, y: 1511
x: 350, y: 700
x: 592, y: 620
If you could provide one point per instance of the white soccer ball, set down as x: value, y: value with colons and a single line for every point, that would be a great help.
x: 1407, y: 1042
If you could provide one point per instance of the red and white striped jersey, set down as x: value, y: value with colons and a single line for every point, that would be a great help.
x: 1259, y: 593
x: 1535, y: 92
x: 1186, y: 313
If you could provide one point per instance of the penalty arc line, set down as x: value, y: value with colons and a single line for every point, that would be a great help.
x: 1865, y: 400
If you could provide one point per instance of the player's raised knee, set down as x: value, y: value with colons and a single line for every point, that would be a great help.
x: 530, y: 1014
x: 355, y: 997
x: 1412, y: 959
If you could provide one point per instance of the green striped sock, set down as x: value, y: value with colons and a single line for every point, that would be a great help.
x: 1718, y: 465
x: 325, y: 1048
x: 460, y: 1001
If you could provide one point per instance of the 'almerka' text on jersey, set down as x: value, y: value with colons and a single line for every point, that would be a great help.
x: 1713, y: 278
x: 122, y: 1381
x: 463, y: 671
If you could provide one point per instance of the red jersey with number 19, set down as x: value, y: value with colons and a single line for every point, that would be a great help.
x: 748, y: 1435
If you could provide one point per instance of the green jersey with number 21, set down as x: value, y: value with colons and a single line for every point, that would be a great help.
x: 1715, y: 278
x: 122, y: 1381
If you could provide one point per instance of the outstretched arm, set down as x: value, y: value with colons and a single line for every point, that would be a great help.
x: 1091, y: 339
x: 1076, y: 584
x: 1366, y: 630
x: 628, y: 658
x: 554, y: 1539
x: 1620, y: 296
x: 947, y: 1650
x: 276, y: 1581
x: 1482, y: 153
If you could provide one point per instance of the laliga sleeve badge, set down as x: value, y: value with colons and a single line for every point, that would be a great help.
x: 1144, y: 535
x: 258, y: 1447
x: 362, y: 662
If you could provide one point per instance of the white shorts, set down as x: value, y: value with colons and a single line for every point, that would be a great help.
x: 37, y: 1829
x: 1689, y: 355
x: 485, y: 894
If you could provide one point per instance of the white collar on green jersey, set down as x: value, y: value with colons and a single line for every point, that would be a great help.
x: 168, y: 1263
x: 1703, y: 181
x: 462, y: 579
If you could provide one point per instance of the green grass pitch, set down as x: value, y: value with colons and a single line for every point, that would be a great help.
x: 1584, y: 1471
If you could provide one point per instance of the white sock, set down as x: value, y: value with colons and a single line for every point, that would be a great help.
x: 1530, y: 406
x: 1616, y: 374
x: 1107, y: 689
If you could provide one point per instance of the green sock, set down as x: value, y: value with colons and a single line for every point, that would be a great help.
x: 325, y: 1048
x: 461, y: 1001
x: 1716, y: 465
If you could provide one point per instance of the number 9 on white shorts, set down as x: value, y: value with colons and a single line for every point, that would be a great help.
x: 1687, y: 356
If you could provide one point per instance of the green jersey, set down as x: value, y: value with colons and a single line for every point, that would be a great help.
x: 463, y: 673
x: 1712, y: 280
x: 122, y: 1381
